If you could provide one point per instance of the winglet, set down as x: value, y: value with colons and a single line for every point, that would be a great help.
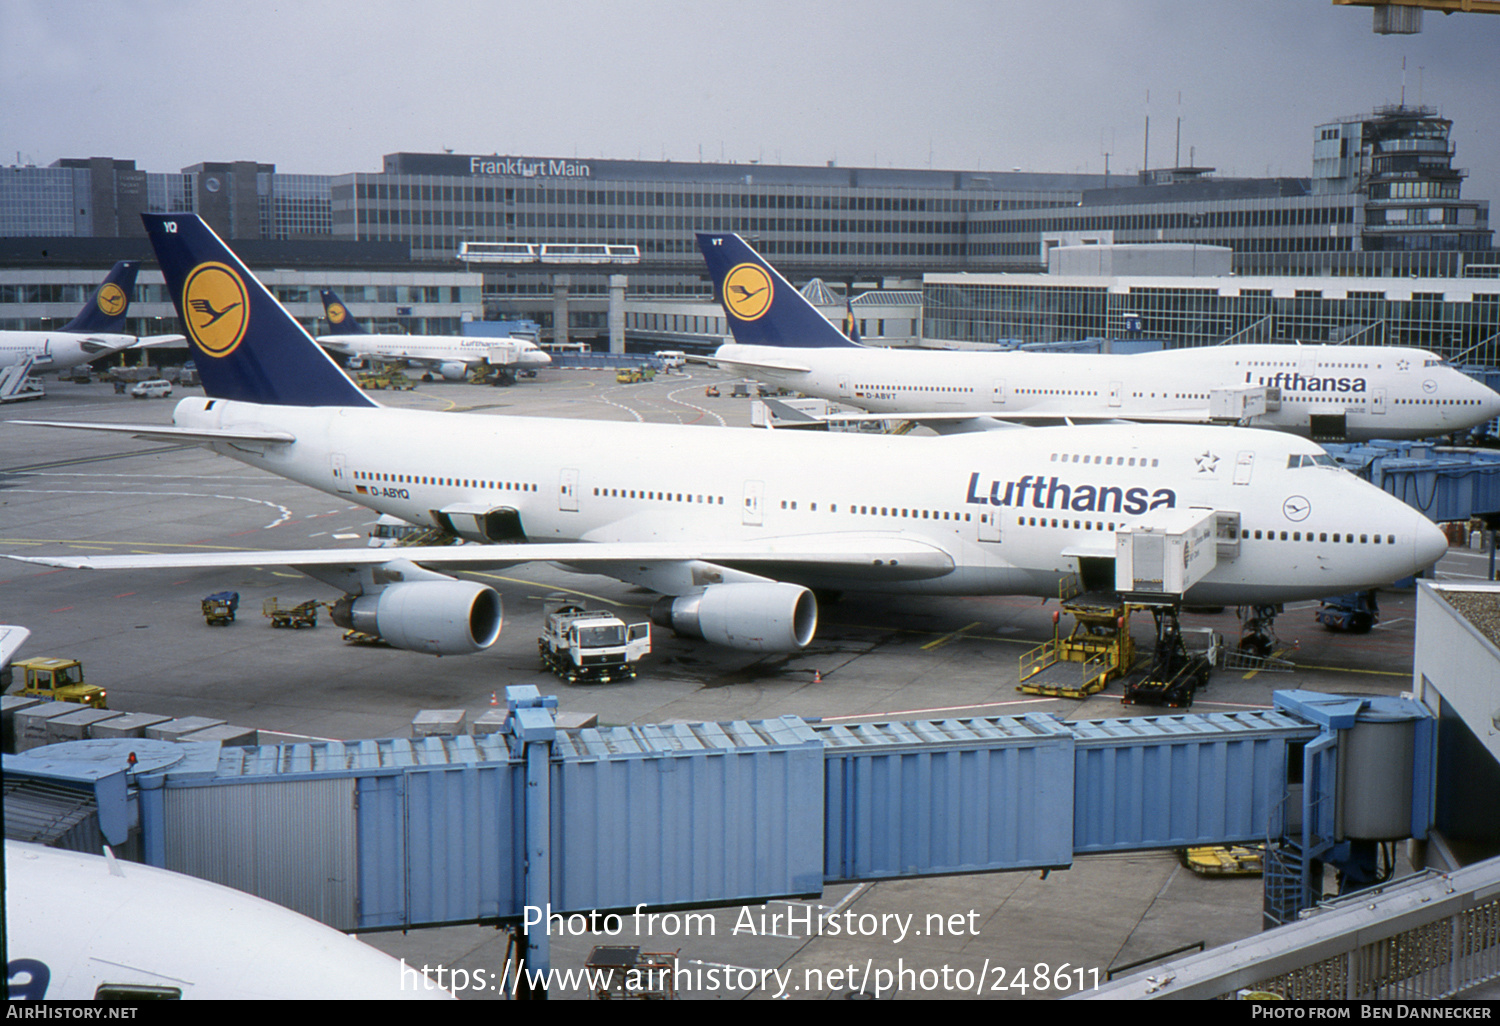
x: 245, y: 345
x: 761, y: 306
x: 340, y: 322
x: 105, y: 310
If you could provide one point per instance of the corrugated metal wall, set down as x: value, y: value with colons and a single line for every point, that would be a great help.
x: 288, y: 841
x: 951, y: 796
x: 1174, y: 781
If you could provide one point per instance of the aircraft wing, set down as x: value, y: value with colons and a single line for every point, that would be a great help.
x: 875, y: 556
x: 11, y: 639
x: 166, y: 433
x: 152, y: 341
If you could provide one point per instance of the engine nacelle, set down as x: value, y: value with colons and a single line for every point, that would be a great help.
x: 436, y: 617
x: 453, y: 371
x: 769, y: 617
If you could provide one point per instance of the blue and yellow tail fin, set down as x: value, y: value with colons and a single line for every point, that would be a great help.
x: 761, y: 306
x: 105, y: 310
x: 245, y: 345
x: 340, y: 321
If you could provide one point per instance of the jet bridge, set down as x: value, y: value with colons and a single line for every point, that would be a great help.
x: 401, y: 833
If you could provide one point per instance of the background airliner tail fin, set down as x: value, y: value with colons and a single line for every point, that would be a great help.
x: 245, y: 345
x: 761, y: 306
x: 105, y: 310
x: 340, y: 321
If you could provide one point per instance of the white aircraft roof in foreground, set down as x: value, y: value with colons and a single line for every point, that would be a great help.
x: 1333, y: 393
x: 735, y: 526
x: 85, y: 926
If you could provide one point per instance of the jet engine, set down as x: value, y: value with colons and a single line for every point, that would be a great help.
x: 453, y: 371
x: 436, y: 617
x: 769, y: 617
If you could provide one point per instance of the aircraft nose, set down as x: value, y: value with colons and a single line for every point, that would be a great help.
x: 1431, y: 543
x: 1490, y: 402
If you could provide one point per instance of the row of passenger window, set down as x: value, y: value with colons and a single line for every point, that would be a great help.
x: 1106, y: 461
x: 1322, y: 536
x: 641, y: 493
x: 449, y: 482
x: 921, y: 388
x: 1245, y: 533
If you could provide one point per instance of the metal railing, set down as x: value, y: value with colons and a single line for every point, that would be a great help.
x: 1428, y: 936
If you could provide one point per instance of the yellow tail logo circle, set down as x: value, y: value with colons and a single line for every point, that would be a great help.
x: 112, y: 299
x: 215, y: 308
x: 748, y: 291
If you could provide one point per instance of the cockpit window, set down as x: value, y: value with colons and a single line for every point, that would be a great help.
x: 1303, y: 460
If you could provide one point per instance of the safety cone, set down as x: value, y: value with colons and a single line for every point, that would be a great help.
x: 817, y: 676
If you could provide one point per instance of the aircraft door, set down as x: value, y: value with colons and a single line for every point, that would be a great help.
x: 340, y: 473
x: 1114, y: 393
x: 751, y: 510
x: 989, y: 527
x: 567, y: 491
x: 1244, y: 463
x: 997, y: 394
x: 843, y: 383
x: 1377, y: 401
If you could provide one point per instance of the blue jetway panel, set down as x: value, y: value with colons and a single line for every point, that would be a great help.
x: 947, y: 796
x: 1175, y: 781
x: 687, y: 814
x: 1445, y: 484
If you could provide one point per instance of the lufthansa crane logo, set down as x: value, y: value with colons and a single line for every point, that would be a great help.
x: 1296, y: 507
x: 112, y: 300
x: 336, y: 313
x: 216, y: 308
x: 748, y: 291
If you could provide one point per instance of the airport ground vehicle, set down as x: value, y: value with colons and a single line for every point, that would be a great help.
x: 1355, y: 612
x: 590, y: 645
x: 671, y: 359
x: 155, y: 388
x: 58, y: 679
x: 303, y: 614
x: 631, y: 375
x: 387, y: 377
x: 220, y: 607
x: 1175, y: 673
x: 625, y: 972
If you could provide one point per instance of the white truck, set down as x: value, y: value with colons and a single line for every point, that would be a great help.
x: 590, y: 645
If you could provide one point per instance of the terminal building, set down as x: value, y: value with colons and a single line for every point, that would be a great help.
x: 1383, y: 201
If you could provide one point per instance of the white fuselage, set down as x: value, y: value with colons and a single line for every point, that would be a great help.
x: 59, y: 350
x: 436, y: 350
x: 1379, y: 391
x: 1015, y: 511
x: 74, y: 925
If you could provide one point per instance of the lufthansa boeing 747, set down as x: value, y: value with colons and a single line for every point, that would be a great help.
x: 1330, y: 393
x: 734, y: 527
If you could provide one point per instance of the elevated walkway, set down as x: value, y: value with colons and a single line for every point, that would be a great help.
x: 391, y: 834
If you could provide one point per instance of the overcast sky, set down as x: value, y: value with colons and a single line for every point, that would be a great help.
x: 328, y: 87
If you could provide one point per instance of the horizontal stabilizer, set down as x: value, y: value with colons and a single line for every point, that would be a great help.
x: 759, y: 364
x: 162, y: 433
